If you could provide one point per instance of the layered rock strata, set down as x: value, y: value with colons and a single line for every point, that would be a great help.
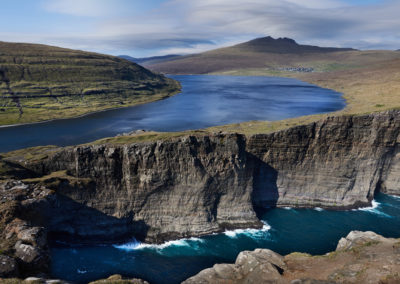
x: 196, y: 185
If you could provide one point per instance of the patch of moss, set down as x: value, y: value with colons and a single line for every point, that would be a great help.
x: 54, y: 180
x: 31, y: 154
x: 146, y: 137
x: 299, y: 254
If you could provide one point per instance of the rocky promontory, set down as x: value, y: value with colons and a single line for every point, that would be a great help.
x: 191, y: 185
x: 361, y: 257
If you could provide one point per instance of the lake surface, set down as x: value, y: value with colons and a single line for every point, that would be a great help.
x: 286, y: 230
x: 205, y: 101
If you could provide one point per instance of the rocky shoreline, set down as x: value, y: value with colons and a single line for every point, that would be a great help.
x: 189, y: 186
x: 361, y: 257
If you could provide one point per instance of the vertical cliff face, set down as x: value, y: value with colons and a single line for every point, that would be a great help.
x: 197, y: 185
x: 160, y: 190
x: 337, y: 162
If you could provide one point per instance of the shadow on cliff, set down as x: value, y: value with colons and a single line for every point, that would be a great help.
x: 69, y: 221
x: 265, y: 189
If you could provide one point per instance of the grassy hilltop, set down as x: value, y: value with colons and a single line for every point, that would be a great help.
x: 39, y: 82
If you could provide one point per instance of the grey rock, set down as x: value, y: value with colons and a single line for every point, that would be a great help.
x: 35, y: 236
x: 259, y: 266
x: 357, y: 238
x: 33, y: 259
x: 8, y: 266
x: 27, y: 253
x: 34, y: 279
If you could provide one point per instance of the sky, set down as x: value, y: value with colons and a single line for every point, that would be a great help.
x: 142, y: 28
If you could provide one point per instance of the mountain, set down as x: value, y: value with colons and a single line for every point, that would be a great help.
x: 283, y: 45
x: 129, y: 58
x: 150, y: 60
x: 271, y: 56
x: 40, y: 82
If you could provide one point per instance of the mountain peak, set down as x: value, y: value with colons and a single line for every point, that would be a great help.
x: 282, y: 45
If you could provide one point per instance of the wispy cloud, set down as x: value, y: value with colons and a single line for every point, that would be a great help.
x: 182, y: 26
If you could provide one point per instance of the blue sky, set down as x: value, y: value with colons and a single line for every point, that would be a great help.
x: 156, y: 27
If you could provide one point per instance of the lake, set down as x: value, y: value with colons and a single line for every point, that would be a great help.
x: 205, y: 100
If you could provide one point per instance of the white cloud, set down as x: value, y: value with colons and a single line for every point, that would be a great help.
x: 182, y: 26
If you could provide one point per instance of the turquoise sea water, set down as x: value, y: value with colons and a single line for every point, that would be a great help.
x: 286, y: 230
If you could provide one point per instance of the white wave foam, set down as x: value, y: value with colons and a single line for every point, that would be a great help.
x: 81, y: 271
x: 287, y: 208
x: 318, y: 209
x: 374, y: 208
x: 395, y: 196
x: 249, y: 232
x: 188, y: 242
x: 374, y: 205
x: 136, y: 245
x: 128, y: 246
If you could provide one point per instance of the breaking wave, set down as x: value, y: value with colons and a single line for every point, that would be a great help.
x: 249, y: 232
x: 136, y: 245
x: 374, y: 208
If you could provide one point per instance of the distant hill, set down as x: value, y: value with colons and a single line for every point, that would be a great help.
x: 266, y: 52
x: 150, y: 60
x: 40, y: 82
x: 283, y: 45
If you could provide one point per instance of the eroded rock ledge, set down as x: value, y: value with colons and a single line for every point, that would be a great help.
x: 361, y: 257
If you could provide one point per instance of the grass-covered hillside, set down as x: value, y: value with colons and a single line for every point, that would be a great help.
x: 272, y: 57
x: 39, y: 82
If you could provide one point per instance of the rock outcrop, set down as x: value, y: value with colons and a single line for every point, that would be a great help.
x: 361, y: 257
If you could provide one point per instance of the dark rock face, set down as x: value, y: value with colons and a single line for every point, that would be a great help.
x: 8, y: 266
x: 159, y: 190
x: 197, y: 185
x: 338, y: 162
x: 361, y: 257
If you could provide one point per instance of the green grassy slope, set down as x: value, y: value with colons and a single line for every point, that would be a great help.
x: 39, y: 82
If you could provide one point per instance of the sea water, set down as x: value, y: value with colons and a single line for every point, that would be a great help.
x: 285, y: 230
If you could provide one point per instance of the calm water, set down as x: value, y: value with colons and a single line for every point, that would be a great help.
x: 312, y: 231
x: 205, y: 101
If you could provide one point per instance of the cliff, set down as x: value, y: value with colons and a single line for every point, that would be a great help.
x: 361, y: 257
x: 199, y: 184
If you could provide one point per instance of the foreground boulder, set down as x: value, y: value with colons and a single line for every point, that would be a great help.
x: 361, y: 257
x: 120, y: 280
